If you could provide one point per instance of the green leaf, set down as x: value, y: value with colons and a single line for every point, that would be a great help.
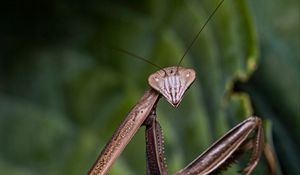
x: 61, y: 102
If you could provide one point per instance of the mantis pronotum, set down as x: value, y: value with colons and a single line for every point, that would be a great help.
x: 172, y: 82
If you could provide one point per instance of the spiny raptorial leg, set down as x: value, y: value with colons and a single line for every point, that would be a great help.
x: 154, y: 146
x: 224, y: 151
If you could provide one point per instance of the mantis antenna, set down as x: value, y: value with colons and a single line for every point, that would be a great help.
x: 139, y: 57
x: 186, y: 51
x: 196, y: 37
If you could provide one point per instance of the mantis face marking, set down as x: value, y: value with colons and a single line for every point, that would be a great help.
x: 172, y: 82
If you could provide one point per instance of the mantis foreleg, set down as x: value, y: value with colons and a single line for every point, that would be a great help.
x: 124, y: 133
x: 154, y: 146
x: 222, y: 152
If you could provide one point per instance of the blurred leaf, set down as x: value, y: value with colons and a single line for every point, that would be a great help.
x: 63, y: 90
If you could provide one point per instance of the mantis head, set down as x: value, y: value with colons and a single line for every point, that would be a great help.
x: 172, y: 82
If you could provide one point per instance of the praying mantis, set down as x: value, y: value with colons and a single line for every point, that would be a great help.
x: 172, y: 83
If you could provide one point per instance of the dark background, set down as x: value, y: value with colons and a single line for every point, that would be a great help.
x: 63, y: 89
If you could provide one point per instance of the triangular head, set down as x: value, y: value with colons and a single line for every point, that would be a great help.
x: 172, y: 82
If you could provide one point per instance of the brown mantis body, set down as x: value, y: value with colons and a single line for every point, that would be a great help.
x: 172, y: 82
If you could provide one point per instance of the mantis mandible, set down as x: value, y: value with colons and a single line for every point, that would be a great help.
x: 172, y: 83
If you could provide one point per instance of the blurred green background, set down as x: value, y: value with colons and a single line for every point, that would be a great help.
x: 63, y: 90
